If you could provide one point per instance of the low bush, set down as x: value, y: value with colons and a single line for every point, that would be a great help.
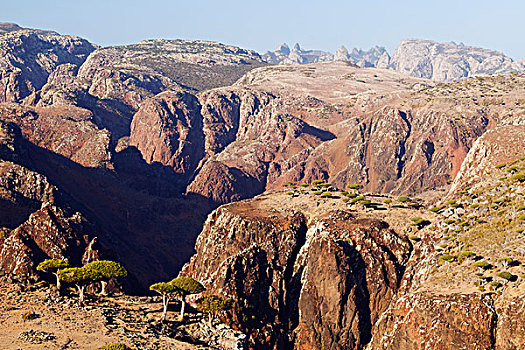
x: 403, y: 199
x: 447, y: 257
x: 114, y: 346
x: 468, y: 253
x: 519, y: 177
x: 30, y: 315
x: 505, y: 275
x: 354, y: 186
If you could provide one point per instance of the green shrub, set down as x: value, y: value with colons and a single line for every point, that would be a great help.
x: 364, y: 202
x: 114, y: 346
x: 317, y: 182
x: 434, y: 209
x: 317, y: 193
x: 499, y: 166
x: 351, y: 195
x: 387, y: 201
x: 326, y: 194
x: 482, y: 263
x: 417, y: 220
x: 468, y: 253
x: 289, y: 193
x: 354, y: 186
x: 403, y: 199
x: 415, y: 238
x: 519, y: 177
x: 521, y: 217
x: 495, y: 285
x: 30, y: 315
x: 505, y: 275
x: 304, y: 185
x: 346, y: 199
x: 447, y: 257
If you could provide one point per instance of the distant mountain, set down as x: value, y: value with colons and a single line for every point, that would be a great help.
x: 448, y: 61
x: 283, y: 55
x: 415, y: 57
x: 6, y: 27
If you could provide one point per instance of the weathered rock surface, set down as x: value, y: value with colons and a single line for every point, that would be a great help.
x: 497, y: 146
x: 64, y: 129
x: 28, y: 57
x: 276, y: 263
x: 449, y: 61
x: 153, y: 65
x: 168, y: 129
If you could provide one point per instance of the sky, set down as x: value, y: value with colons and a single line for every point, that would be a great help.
x: 262, y: 25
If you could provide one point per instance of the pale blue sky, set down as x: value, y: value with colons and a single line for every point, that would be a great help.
x: 262, y: 25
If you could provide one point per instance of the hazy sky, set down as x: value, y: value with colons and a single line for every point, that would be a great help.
x: 262, y: 25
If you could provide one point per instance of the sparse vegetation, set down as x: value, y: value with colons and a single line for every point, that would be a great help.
x: 108, y: 270
x: 403, y: 199
x: 114, y: 346
x: 30, y: 315
x: 212, y: 305
x: 186, y: 286
x: 52, y: 266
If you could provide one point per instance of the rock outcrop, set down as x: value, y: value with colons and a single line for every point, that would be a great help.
x: 362, y: 58
x: 28, y: 57
x: 34, y: 223
x: 449, y: 61
x: 276, y: 263
x: 153, y: 65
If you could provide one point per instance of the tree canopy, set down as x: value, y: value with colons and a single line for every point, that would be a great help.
x: 187, y: 286
x: 107, y: 269
x: 79, y: 275
x: 52, y: 265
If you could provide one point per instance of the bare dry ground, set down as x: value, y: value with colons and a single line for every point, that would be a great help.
x: 61, y: 324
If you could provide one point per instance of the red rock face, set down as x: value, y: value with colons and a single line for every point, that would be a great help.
x: 497, y: 146
x: 65, y: 130
x: 168, y: 129
x: 427, y: 320
x: 277, y: 265
x: 47, y: 233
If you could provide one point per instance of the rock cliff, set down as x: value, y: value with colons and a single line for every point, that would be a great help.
x: 28, y: 57
x: 277, y: 259
x: 449, y: 61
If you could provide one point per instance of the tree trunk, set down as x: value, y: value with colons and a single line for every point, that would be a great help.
x: 58, y: 282
x: 104, y: 284
x: 183, y: 300
x: 210, y: 318
x: 165, y: 302
x: 81, y: 294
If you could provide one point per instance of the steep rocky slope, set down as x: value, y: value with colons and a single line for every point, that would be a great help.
x: 278, y: 255
x: 28, y: 57
x: 337, y: 271
x: 448, y: 61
